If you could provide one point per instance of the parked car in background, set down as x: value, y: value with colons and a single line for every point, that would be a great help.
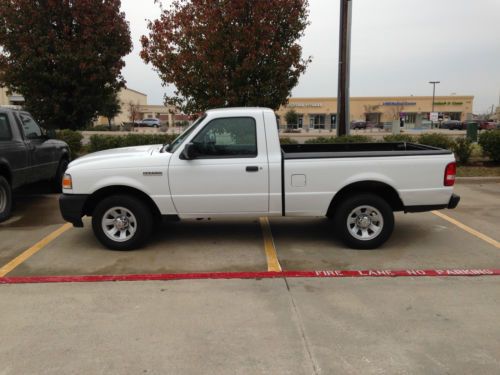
x: 358, y: 125
x: 487, y: 125
x: 151, y: 122
x: 452, y: 125
x: 27, y: 155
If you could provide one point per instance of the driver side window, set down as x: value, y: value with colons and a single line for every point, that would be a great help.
x: 234, y: 137
x: 30, y: 127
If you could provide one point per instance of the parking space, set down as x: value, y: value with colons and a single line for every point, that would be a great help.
x: 284, y: 325
x: 420, y: 241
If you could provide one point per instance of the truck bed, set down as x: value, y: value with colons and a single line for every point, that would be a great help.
x: 350, y: 150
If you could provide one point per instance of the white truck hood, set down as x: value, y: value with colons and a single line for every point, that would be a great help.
x: 119, y: 157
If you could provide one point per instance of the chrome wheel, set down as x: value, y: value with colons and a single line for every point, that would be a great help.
x: 119, y: 224
x: 365, y: 223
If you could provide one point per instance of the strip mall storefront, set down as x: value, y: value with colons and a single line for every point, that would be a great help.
x: 321, y: 113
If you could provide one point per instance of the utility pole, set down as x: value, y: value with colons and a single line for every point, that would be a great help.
x: 433, y: 83
x: 344, y: 67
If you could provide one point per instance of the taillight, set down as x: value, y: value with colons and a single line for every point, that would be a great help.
x: 449, y: 174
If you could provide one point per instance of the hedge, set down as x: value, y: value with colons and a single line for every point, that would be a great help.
x: 72, y: 138
x: 99, y: 142
x: 342, y: 139
x: 490, y: 142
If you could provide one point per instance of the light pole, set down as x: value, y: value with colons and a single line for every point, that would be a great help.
x: 433, y: 83
x: 344, y: 67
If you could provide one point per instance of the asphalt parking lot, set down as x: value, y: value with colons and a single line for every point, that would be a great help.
x: 280, y: 325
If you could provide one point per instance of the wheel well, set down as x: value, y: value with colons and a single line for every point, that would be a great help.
x: 387, y: 192
x: 99, y: 195
x: 5, y: 172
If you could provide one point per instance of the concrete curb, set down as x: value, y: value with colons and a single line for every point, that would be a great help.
x: 477, y: 180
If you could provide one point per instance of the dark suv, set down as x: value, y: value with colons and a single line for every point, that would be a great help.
x: 27, y: 155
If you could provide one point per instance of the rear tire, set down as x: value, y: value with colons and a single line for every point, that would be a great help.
x: 5, y: 199
x: 122, y: 222
x: 364, y: 221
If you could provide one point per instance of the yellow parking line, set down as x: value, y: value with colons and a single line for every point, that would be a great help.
x: 468, y: 229
x: 273, y: 264
x: 33, y: 250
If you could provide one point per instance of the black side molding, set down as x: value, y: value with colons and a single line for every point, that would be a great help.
x: 453, y: 203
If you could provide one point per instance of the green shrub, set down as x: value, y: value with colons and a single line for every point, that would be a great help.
x: 342, y: 139
x: 99, y: 142
x: 399, y: 138
x: 462, y: 148
x: 287, y: 141
x: 103, y: 128
x: 435, y: 140
x: 72, y: 138
x: 490, y: 142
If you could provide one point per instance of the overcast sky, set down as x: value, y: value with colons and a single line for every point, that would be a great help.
x: 397, y: 47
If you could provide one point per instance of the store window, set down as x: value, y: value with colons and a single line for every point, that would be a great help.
x: 317, y: 121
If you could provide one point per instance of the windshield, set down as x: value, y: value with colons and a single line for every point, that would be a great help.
x: 178, y: 141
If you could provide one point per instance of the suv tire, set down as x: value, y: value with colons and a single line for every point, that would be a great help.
x: 5, y: 199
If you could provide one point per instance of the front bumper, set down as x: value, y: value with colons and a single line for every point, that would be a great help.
x: 71, y: 206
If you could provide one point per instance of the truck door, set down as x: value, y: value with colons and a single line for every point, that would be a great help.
x: 13, y: 150
x: 43, y: 165
x: 229, y: 172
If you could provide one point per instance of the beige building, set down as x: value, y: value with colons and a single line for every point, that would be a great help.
x: 135, y: 107
x: 7, y: 98
x: 320, y: 113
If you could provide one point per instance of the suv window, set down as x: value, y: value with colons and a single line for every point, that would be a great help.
x: 234, y: 137
x: 5, y: 133
x: 30, y: 127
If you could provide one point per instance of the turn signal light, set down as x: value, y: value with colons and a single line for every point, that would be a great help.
x: 449, y: 174
x: 67, y: 183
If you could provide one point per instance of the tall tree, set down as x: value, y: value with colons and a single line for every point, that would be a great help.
x: 228, y: 53
x: 110, y: 107
x: 64, y: 56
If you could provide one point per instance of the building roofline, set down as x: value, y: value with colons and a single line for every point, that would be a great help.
x: 137, y: 92
x: 383, y: 97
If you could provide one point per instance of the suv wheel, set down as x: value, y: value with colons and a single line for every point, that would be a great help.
x: 122, y: 222
x: 5, y: 199
x: 364, y: 221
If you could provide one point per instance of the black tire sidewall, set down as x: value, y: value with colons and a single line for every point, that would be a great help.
x: 350, y: 203
x: 4, y: 185
x: 141, y: 212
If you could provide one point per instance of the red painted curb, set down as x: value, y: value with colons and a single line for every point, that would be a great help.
x: 251, y: 275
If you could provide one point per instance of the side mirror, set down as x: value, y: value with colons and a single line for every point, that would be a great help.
x: 189, y: 152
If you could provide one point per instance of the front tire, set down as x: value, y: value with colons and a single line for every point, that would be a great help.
x: 122, y: 222
x: 364, y: 221
x: 5, y: 199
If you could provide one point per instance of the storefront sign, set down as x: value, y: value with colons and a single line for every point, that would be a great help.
x: 448, y: 103
x: 398, y: 103
x: 304, y: 105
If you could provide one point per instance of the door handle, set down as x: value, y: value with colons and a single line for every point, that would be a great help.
x: 252, y: 168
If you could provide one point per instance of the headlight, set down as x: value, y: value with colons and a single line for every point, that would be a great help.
x: 67, y: 183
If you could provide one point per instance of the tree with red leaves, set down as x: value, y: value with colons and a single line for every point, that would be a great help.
x: 228, y: 52
x: 64, y: 56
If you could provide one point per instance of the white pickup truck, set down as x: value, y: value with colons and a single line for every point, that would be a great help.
x: 229, y: 163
